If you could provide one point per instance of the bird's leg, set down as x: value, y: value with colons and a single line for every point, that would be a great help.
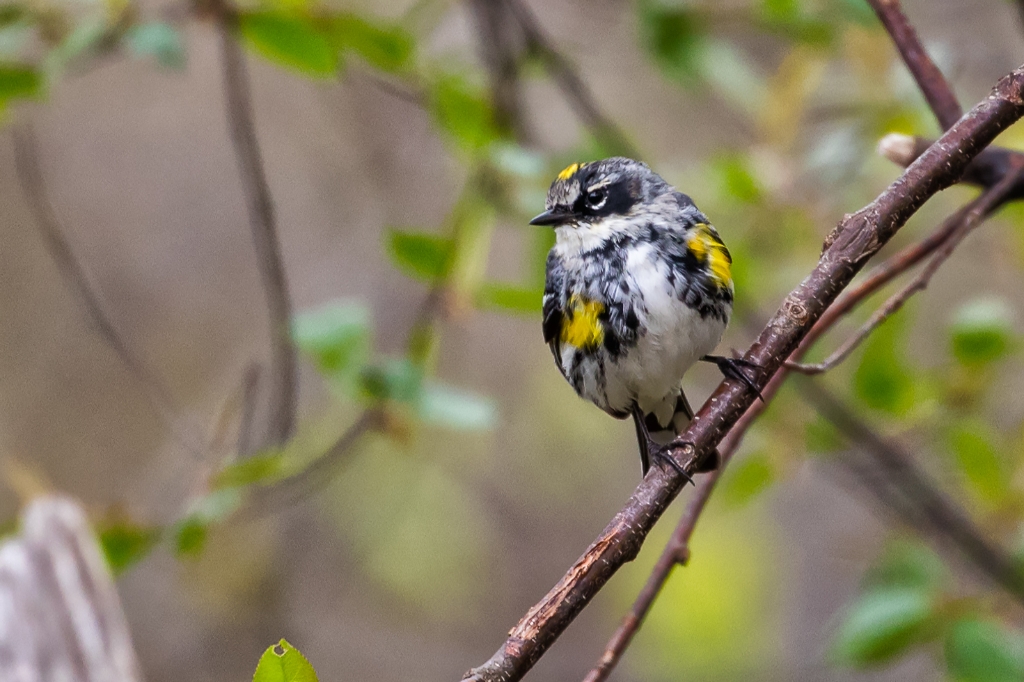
x: 643, y: 439
x: 732, y: 368
x: 649, y: 447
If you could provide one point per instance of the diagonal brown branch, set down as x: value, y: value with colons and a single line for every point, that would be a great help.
x: 854, y: 240
x: 282, y: 381
x: 928, y: 76
x: 963, y: 224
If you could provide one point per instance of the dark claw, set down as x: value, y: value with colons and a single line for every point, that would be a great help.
x: 662, y: 454
x: 732, y: 368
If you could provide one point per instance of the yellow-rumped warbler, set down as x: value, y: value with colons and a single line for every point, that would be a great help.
x: 639, y: 288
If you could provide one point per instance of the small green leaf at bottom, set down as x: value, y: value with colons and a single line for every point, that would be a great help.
x: 283, y: 663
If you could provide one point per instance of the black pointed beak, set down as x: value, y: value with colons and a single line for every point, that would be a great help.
x: 553, y: 217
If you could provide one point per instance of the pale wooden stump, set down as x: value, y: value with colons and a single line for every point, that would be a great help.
x: 60, y: 616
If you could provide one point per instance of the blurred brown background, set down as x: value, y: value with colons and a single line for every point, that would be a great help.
x: 416, y: 560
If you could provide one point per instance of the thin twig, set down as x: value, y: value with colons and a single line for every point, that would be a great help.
x: 315, y: 475
x: 984, y: 206
x: 33, y: 185
x: 938, y: 515
x: 413, y: 94
x: 499, y: 50
x: 986, y: 170
x: 676, y: 553
x: 567, y: 77
x: 282, y: 385
x: 854, y: 240
x: 249, y: 395
x: 930, y: 80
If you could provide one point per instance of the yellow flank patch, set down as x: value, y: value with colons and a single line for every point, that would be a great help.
x: 580, y: 326
x: 708, y: 248
x: 568, y: 171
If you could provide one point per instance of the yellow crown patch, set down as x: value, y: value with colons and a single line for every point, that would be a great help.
x: 568, y: 171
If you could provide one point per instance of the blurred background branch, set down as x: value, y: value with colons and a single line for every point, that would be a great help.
x: 282, y: 384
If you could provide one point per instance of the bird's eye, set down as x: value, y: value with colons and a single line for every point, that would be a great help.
x: 596, y: 198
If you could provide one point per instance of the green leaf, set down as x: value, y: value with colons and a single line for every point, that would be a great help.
x: 289, y: 40
x: 336, y: 336
x: 191, y: 532
x: 190, y: 537
x: 981, y: 331
x: 673, y: 37
x: 396, y: 380
x: 882, y: 380
x: 260, y: 468
x: 746, y: 479
x: 125, y: 543
x: 159, y: 40
x: 907, y: 564
x: 980, y: 651
x: 17, y: 80
x: 456, y: 408
x: 737, y: 180
x: 389, y: 48
x: 510, y: 297
x: 283, y: 663
x: 883, y: 624
x: 463, y: 113
x: 973, y: 445
x: 418, y: 254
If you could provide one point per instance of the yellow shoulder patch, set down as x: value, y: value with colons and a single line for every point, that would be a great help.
x: 568, y: 171
x: 581, y: 327
x: 708, y: 248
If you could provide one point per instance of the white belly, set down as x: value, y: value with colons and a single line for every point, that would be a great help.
x: 675, y: 337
